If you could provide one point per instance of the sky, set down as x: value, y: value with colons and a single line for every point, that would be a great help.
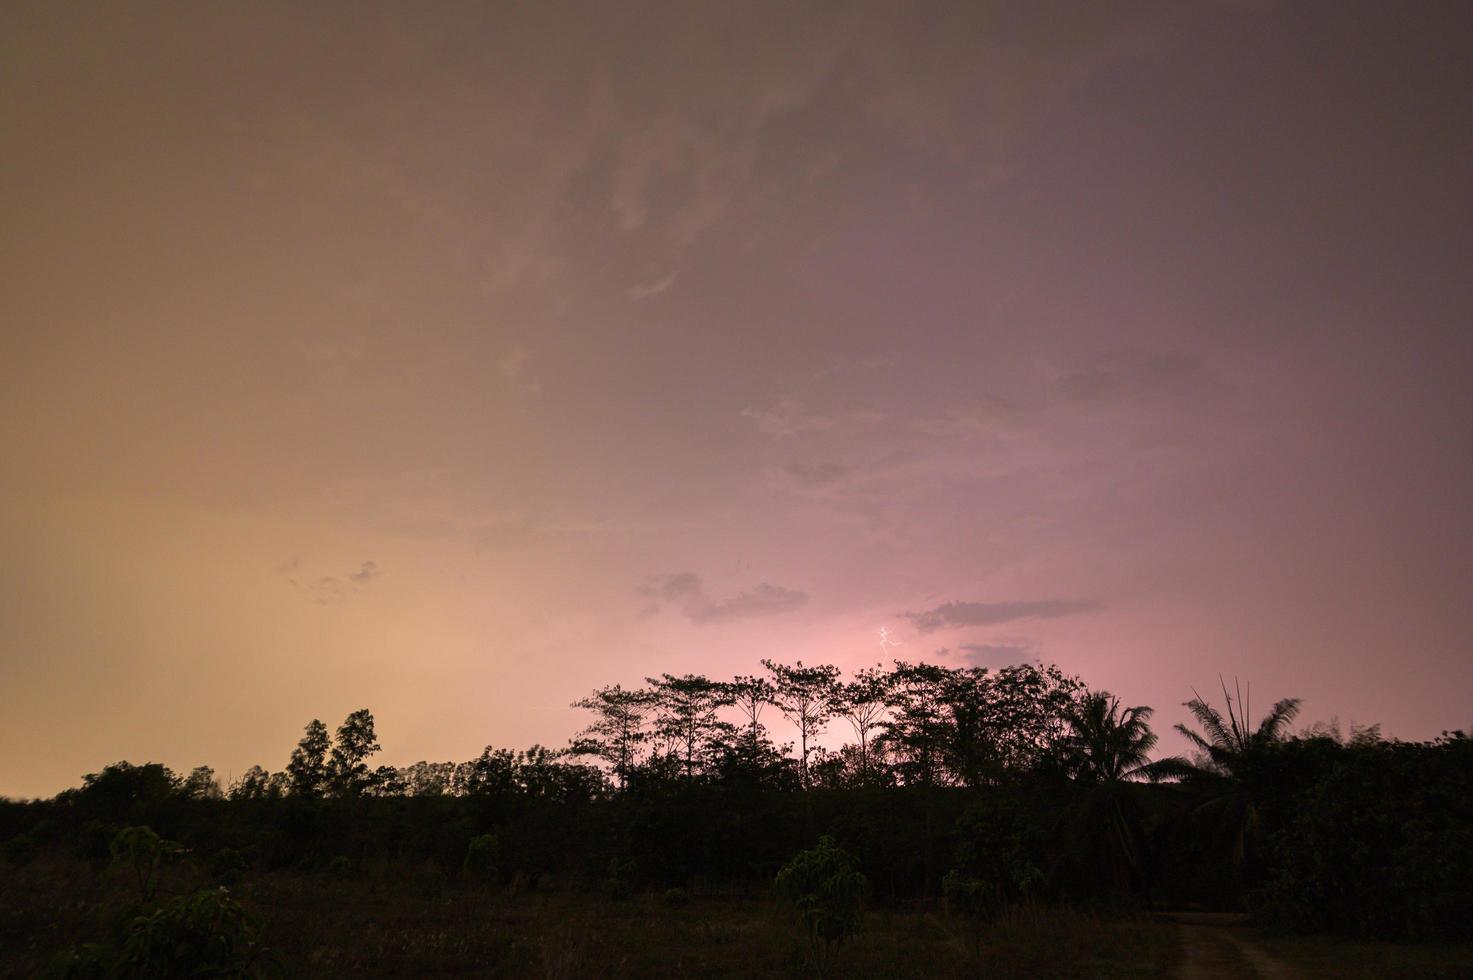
x: 455, y: 359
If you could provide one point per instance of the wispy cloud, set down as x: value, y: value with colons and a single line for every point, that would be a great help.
x: 999, y: 652
x: 330, y: 590
x: 647, y: 289
x: 954, y: 614
x: 513, y: 366
x: 685, y: 591
x: 787, y: 417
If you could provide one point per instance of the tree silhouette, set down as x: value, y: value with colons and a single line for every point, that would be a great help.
x: 1107, y: 747
x: 347, y: 767
x: 919, y: 727
x: 862, y: 703
x: 307, y: 770
x: 201, y: 784
x: 1231, y: 755
x: 751, y: 694
x: 1106, y: 744
x: 807, y: 697
x: 687, y: 714
x: 617, y: 730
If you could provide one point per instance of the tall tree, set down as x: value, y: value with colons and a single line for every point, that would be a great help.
x: 918, y: 729
x: 307, y: 770
x: 687, y: 714
x: 862, y: 703
x: 1107, y: 746
x: 618, y: 728
x: 1231, y: 753
x: 807, y: 697
x: 347, y: 767
x: 201, y: 784
x: 751, y: 694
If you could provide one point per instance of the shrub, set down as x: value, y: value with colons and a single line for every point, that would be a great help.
x: 619, y: 883
x: 206, y: 934
x: 483, y: 857
x: 828, y: 893
x: 144, y: 852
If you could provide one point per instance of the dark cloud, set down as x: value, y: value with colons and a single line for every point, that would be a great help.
x: 816, y: 474
x: 1135, y: 376
x: 1011, y: 652
x: 953, y: 614
x: 366, y: 573
x: 685, y: 591
x: 331, y: 590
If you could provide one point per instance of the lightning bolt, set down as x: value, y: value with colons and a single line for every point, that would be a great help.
x: 885, y: 640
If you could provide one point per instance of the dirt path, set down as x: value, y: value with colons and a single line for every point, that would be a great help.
x: 1212, y: 952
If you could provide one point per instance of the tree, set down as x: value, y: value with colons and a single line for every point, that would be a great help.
x: 862, y: 703
x: 1230, y: 755
x: 1027, y: 714
x: 307, y: 770
x: 617, y: 730
x: 347, y: 767
x: 919, y: 727
x: 687, y: 714
x: 1106, y: 744
x: 806, y: 696
x: 751, y: 694
x: 1107, y: 747
x: 828, y: 893
x: 201, y: 784
x: 254, y: 784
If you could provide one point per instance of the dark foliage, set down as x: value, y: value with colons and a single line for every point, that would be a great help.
x: 996, y: 791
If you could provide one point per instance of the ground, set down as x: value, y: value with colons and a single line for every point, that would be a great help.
x: 368, y: 925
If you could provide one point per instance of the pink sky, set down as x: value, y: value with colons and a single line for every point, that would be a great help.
x: 454, y: 360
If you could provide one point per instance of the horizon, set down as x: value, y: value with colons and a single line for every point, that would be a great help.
x: 456, y: 362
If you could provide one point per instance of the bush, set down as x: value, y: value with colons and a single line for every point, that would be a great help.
x: 828, y: 893
x: 206, y: 934
x: 619, y: 883
x: 143, y: 852
x: 483, y: 857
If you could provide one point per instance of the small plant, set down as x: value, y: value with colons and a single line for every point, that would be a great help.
x: 483, y: 857
x: 828, y: 893
x: 228, y: 865
x: 205, y: 934
x: 619, y: 883
x: 144, y: 851
x: 676, y: 898
x: 89, y: 961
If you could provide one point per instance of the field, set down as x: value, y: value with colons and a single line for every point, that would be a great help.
x: 393, y: 924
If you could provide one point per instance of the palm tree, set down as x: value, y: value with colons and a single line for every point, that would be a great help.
x: 1106, y: 744
x: 1107, y: 747
x: 1230, y: 752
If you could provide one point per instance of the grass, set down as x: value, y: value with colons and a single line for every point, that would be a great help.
x: 1319, y: 956
x: 384, y: 923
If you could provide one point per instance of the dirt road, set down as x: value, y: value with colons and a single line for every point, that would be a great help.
x: 1212, y: 951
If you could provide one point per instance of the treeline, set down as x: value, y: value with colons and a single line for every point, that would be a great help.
x: 983, y: 788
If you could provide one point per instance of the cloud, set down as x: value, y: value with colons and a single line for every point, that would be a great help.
x: 1133, y: 376
x: 953, y: 614
x: 1009, y: 652
x: 331, y: 590
x: 816, y: 474
x: 646, y: 290
x: 788, y: 417
x: 986, y: 415
x: 685, y: 592
x: 366, y: 573
x: 513, y: 367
